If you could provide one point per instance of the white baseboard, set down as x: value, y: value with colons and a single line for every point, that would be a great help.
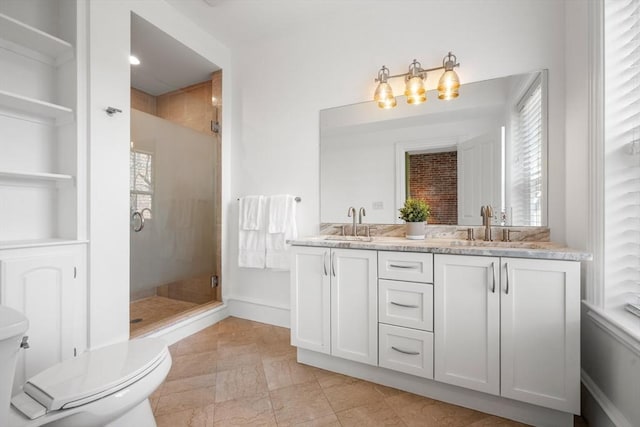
x: 597, y: 409
x: 502, y: 407
x: 259, y: 311
x: 191, y: 325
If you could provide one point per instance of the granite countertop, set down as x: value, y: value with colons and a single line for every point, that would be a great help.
x: 539, y: 250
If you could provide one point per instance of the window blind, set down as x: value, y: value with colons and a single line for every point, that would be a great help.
x: 526, y: 201
x: 621, y: 153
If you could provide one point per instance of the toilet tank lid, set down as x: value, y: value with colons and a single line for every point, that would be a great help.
x: 96, y: 373
x: 12, y: 323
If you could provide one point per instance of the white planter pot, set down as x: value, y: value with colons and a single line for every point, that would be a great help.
x: 415, y: 230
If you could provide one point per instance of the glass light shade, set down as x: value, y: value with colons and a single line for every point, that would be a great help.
x: 448, y: 85
x: 384, y: 96
x: 414, y: 91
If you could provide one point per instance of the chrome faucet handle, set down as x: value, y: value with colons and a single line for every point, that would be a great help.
x: 361, y: 213
x: 351, y: 212
x: 369, y: 228
x: 470, y: 235
x: 506, y: 234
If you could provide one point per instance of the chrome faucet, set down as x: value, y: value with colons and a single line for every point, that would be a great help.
x: 486, y: 212
x: 352, y: 214
x: 361, y: 213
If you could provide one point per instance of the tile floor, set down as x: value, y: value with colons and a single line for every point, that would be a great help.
x: 240, y: 372
x: 154, y: 309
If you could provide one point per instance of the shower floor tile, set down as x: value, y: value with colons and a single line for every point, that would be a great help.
x: 154, y: 309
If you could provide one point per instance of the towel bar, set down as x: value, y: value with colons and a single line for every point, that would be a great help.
x: 297, y: 199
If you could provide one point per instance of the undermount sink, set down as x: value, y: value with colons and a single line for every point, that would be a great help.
x: 349, y: 238
x: 514, y: 245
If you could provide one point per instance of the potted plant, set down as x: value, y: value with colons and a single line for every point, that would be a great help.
x: 415, y: 213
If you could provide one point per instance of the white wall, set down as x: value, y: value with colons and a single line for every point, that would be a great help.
x: 275, y: 119
x: 109, y: 47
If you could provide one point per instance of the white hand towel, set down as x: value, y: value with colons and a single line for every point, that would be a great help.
x: 251, y: 248
x: 276, y: 243
x: 278, y: 212
x: 251, y: 233
x: 250, y: 212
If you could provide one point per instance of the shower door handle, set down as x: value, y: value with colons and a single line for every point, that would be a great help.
x: 133, y: 221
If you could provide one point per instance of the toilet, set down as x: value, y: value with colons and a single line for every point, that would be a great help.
x: 109, y: 386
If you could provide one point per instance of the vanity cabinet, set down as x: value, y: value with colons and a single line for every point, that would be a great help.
x: 334, y: 302
x: 47, y: 285
x: 509, y: 327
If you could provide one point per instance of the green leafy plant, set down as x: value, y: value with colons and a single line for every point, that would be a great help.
x: 415, y: 210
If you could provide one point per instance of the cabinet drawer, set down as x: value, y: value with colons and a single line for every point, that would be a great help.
x: 405, y: 304
x: 406, y: 350
x: 409, y: 266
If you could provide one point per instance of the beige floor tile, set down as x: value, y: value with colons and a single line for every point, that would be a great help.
x: 275, y: 350
x: 237, y: 361
x: 326, y: 421
x: 351, y: 394
x: 192, y: 365
x: 181, y: 401
x: 248, y: 411
x: 187, y: 418
x: 188, y: 383
x: 284, y: 371
x: 244, y: 381
x: 300, y: 403
x: 197, y: 343
x: 154, y: 309
x: 491, y: 421
x: 436, y: 414
x: 235, y: 324
x: 228, y: 349
x: 373, y: 414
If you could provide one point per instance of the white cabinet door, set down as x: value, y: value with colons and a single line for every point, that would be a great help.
x: 310, y: 300
x: 540, y: 332
x: 354, y: 301
x: 44, y: 289
x: 467, y: 322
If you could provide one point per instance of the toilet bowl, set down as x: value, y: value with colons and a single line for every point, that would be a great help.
x: 109, y: 386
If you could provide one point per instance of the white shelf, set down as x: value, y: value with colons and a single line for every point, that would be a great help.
x: 35, y: 176
x: 31, y: 38
x: 34, y: 107
x: 38, y: 243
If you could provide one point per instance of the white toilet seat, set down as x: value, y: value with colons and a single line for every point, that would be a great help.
x: 76, y: 383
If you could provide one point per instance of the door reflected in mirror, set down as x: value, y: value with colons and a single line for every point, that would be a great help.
x: 487, y: 147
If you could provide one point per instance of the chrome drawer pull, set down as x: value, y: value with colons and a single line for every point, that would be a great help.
x: 411, y: 353
x: 404, y: 305
x: 403, y: 266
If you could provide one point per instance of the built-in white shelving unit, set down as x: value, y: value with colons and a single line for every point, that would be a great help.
x: 41, y: 137
x: 35, y: 107
x: 35, y: 176
x: 32, y: 38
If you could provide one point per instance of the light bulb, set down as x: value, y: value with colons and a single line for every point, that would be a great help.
x: 448, y: 85
x: 414, y: 91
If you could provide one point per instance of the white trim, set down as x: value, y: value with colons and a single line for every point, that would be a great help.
x: 191, y: 325
x: 594, y: 289
x: 401, y: 147
x: 258, y: 311
x: 605, y: 405
x: 614, y: 327
x: 495, y: 405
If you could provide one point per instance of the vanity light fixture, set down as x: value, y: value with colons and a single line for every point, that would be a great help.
x: 414, y: 83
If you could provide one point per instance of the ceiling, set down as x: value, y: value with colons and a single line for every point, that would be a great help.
x: 165, y: 63
x: 236, y: 22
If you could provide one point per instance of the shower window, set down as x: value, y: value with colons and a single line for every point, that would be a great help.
x: 141, y: 182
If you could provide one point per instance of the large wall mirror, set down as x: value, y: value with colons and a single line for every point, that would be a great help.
x: 487, y: 147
